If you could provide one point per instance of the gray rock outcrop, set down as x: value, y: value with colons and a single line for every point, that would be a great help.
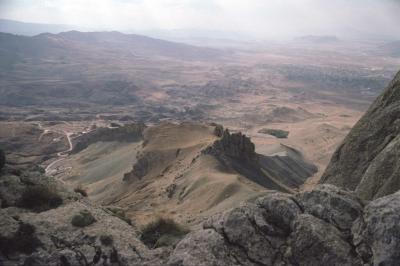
x: 326, y: 226
x: 234, y: 145
x: 367, y: 160
x: 74, y: 232
x: 278, y: 172
x: 377, y: 232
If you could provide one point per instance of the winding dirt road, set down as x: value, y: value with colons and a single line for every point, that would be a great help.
x: 62, y: 154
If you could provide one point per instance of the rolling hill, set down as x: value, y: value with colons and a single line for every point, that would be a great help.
x: 83, y: 68
x: 187, y: 171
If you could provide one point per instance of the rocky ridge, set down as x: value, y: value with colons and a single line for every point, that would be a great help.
x: 367, y: 160
x: 326, y: 226
x: 234, y: 145
x: 237, y: 151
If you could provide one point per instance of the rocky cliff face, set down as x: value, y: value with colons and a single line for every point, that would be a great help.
x: 237, y: 151
x: 235, y: 145
x: 326, y: 226
x: 368, y: 159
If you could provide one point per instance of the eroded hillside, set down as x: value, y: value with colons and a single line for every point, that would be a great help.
x: 186, y: 171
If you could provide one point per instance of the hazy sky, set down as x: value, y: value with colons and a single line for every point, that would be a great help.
x: 262, y: 18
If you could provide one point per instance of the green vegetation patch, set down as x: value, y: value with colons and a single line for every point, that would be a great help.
x: 2, y: 159
x: 162, y: 232
x: 280, y: 134
x: 120, y: 213
x: 24, y: 241
x: 40, y: 198
x: 82, y: 219
x: 106, y: 240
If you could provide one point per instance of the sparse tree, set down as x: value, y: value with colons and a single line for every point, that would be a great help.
x: 2, y: 159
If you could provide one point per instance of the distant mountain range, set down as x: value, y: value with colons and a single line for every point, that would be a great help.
x: 87, y: 59
x: 31, y: 29
x: 48, y: 43
x: 190, y: 36
x: 391, y: 48
x: 320, y: 39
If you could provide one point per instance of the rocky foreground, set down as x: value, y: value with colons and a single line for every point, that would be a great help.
x: 327, y: 226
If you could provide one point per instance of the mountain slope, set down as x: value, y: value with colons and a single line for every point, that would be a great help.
x: 64, y: 43
x: 188, y: 171
x: 367, y: 160
x: 30, y: 29
x: 88, y: 68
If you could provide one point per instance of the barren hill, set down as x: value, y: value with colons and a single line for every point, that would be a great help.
x: 187, y: 171
x: 84, y: 68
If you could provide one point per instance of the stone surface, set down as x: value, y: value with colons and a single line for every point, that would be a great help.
x: 327, y: 226
x: 315, y: 242
x: 377, y: 232
x: 333, y: 205
x: 49, y: 237
x: 234, y: 145
x: 236, y: 151
x: 192, y: 250
x: 367, y: 160
x: 218, y: 130
x: 61, y: 242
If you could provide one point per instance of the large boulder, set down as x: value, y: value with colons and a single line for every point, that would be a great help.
x: 333, y: 205
x: 315, y: 242
x: 191, y: 250
x: 367, y: 160
x: 377, y: 231
x: 277, y: 229
x: 327, y: 226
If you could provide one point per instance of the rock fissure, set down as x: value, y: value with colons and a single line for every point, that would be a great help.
x: 241, y: 248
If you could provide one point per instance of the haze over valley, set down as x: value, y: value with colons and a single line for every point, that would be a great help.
x: 149, y: 123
